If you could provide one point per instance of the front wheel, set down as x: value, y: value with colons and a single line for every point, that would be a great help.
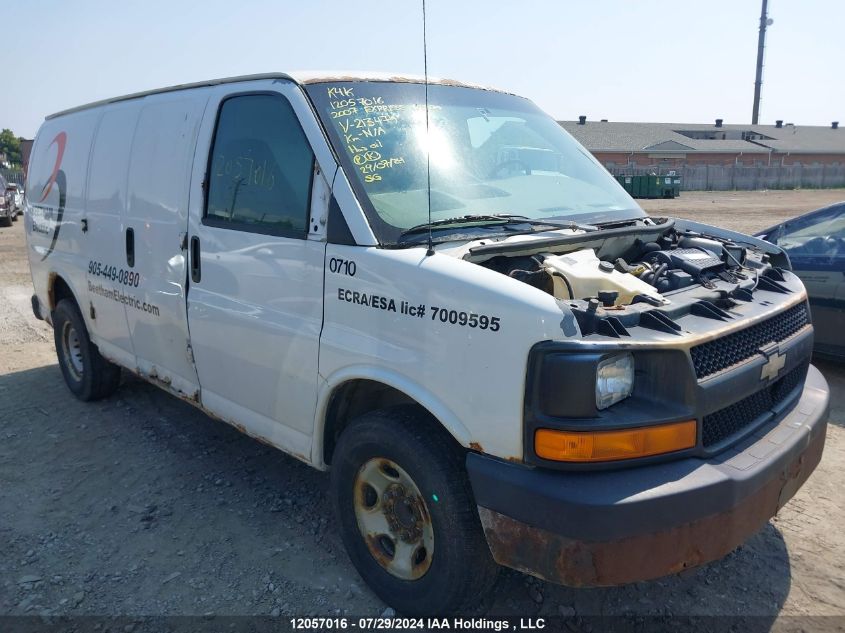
x: 407, y: 514
x: 88, y: 375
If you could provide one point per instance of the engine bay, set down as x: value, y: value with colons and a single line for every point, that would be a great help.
x: 616, y: 277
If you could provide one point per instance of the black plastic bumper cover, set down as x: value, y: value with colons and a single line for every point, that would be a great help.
x: 36, y: 307
x: 577, y: 527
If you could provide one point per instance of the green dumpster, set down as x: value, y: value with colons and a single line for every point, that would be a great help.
x: 662, y: 186
x: 626, y: 182
x: 641, y: 184
x: 655, y: 188
x: 651, y: 186
x: 636, y: 190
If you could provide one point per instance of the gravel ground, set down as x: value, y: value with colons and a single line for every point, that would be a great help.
x: 142, y: 505
x: 745, y: 211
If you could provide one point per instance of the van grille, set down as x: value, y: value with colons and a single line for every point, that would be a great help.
x: 714, y: 356
x: 729, y: 421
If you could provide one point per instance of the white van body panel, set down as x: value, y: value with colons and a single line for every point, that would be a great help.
x: 255, y: 326
x: 106, y: 213
x: 398, y: 347
x: 356, y: 220
x: 256, y: 313
x: 55, y: 204
x: 158, y: 189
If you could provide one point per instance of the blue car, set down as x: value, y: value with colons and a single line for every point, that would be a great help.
x: 815, y: 243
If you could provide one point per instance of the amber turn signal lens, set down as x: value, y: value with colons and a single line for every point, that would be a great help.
x: 603, y: 446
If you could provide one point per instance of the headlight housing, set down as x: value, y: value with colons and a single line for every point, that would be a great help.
x: 580, y: 385
x: 614, y: 379
x: 570, y: 390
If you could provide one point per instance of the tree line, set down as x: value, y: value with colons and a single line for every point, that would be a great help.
x: 10, y: 145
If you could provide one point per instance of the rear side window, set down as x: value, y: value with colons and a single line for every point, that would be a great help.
x: 261, y: 168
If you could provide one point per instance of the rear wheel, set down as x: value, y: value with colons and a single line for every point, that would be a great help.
x: 407, y: 515
x: 7, y: 221
x: 88, y: 375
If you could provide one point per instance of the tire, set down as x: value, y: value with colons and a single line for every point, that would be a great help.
x: 15, y: 217
x: 389, y: 447
x: 87, y: 374
x: 7, y: 221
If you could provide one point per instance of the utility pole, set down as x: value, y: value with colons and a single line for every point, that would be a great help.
x: 761, y: 45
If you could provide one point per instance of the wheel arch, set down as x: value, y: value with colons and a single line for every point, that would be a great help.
x: 353, y: 391
x: 59, y: 288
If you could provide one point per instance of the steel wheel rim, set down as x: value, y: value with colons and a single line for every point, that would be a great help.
x: 72, y: 351
x: 393, y: 519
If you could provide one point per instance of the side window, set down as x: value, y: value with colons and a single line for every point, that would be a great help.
x: 261, y: 168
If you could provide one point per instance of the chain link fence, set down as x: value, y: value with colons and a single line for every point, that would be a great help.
x: 12, y: 175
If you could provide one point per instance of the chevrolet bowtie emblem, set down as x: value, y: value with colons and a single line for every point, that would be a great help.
x: 772, y: 366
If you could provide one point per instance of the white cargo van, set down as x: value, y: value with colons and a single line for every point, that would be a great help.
x: 453, y: 307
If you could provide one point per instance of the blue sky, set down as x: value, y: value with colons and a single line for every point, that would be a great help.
x: 645, y: 60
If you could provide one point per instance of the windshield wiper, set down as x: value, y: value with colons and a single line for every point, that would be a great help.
x: 499, y: 218
x: 559, y: 224
x: 464, y: 219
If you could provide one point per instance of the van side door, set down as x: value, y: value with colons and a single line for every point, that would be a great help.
x: 256, y: 279
x: 154, y: 236
x: 109, y: 277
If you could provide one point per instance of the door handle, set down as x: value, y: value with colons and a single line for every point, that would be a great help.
x: 130, y: 247
x: 196, y: 267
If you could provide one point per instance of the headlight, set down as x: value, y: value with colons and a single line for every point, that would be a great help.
x: 614, y: 380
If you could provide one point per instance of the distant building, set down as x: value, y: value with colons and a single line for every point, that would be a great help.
x: 26, y: 150
x: 674, y: 145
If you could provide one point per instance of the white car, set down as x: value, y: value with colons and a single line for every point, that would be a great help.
x: 435, y: 292
x: 9, y: 208
x: 15, y: 194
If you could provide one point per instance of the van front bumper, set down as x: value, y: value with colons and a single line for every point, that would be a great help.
x: 607, y: 528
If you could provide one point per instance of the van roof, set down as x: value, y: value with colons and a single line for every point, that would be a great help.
x: 299, y: 77
x: 326, y: 76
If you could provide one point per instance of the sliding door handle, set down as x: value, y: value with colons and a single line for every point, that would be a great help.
x: 130, y: 247
x: 196, y: 266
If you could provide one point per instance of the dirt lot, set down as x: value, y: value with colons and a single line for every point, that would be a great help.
x: 745, y: 211
x: 142, y: 505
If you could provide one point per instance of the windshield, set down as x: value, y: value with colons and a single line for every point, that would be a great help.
x: 490, y: 153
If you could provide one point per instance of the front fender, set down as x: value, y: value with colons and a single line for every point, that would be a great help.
x: 417, y: 392
x: 453, y: 335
